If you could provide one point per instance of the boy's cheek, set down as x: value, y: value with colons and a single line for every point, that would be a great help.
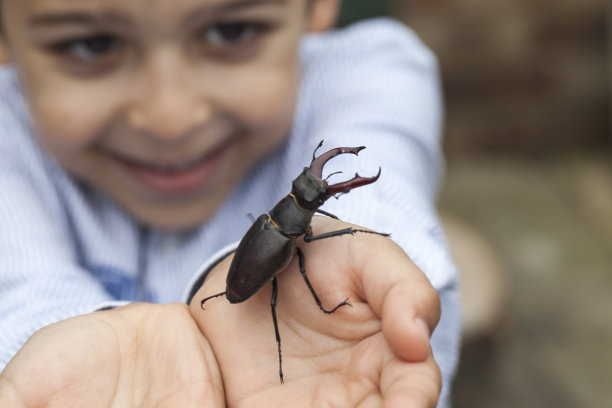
x: 257, y: 93
x: 67, y: 116
x: 63, y: 129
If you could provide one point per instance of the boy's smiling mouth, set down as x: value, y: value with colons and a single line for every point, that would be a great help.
x: 173, y: 178
x: 165, y: 107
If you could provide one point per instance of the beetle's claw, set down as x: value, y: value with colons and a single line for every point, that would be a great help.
x: 316, y: 166
x: 348, y: 185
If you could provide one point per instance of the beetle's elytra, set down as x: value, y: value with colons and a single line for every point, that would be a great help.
x: 269, y: 245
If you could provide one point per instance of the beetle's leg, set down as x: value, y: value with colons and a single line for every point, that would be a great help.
x: 276, y: 332
x: 314, y: 294
x: 326, y: 213
x: 308, y: 237
x: 210, y: 297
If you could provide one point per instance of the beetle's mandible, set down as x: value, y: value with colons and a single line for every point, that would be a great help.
x: 269, y: 245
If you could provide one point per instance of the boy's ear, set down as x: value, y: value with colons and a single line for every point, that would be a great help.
x: 323, y: 14
x: 4, y: 57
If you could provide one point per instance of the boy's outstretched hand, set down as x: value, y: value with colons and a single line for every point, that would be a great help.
x: 375, y: 353
x: 140, y: 355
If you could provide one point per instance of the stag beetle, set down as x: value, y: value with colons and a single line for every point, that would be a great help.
x: 269, y: 245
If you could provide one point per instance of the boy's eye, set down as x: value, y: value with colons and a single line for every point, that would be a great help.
x: 234, y: 33
x: 90, y: 48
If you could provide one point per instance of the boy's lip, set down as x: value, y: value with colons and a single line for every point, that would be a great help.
x: 174, y: 178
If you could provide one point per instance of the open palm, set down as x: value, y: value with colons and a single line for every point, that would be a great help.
x: 371, y: 354
x: 140, y: 355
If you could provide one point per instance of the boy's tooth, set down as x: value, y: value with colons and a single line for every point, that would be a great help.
x: 169, y: 168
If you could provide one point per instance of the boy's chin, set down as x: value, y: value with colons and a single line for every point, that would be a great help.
x: 176, y: 217
x: 174, y: 210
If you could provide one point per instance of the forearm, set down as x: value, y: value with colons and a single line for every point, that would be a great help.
x: 41, y: 281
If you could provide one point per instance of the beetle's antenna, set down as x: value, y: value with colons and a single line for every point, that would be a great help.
x: 336, y: 172
x: 315, y: 150
x: 210, y: 297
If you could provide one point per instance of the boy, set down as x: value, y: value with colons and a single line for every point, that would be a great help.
x: 146, y: 132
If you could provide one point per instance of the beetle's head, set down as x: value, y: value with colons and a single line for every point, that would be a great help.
x: 311, y: 190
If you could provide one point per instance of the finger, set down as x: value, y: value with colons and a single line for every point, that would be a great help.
x: 400, y: 294
x: 411, y: 384
x: 410, y: 313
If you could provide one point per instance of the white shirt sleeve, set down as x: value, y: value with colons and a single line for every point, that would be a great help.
x: 377, y: 85
x: 373, y: 84
x: 40, y: 281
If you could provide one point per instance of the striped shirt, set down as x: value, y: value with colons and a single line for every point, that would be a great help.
x: 66, y: 249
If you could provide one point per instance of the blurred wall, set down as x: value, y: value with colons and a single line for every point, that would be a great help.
x: 353, y: 10
x: 520, y: 76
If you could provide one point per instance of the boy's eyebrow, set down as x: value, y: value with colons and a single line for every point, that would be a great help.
x: 85, y: 18
x: 232, y: 6
x: 54, y: 19
x: 228, y: 6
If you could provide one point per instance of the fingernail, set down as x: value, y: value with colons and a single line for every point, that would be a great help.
x: 423, y: 326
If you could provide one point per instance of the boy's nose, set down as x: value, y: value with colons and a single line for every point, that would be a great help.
x: 168, y: 109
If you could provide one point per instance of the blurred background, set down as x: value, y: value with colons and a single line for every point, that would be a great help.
x: 527, y: 201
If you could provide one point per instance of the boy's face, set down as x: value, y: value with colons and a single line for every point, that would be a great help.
x: 162, y: 104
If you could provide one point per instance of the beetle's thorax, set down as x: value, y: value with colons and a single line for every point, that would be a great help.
x: 290, y: 219
x: 294, y: 212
